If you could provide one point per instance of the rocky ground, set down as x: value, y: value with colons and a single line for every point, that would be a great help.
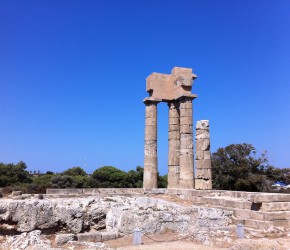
x: 108, y: 223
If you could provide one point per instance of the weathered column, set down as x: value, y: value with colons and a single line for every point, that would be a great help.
x: 150, y: 151
x: 173, y: 145
x: 203, y: 178
x: 186, y: 144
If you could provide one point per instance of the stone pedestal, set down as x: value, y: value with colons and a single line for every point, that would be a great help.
x: 203, y: 177
x: 186, y: 180
x: 173, y: 145
x: 150, y: 151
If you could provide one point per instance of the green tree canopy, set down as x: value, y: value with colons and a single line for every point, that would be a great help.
x: 75, y: 171
x: 11, y: 174
x: 236, y: 167
x: 135, y: 178
x: 110, y: 177
x: 62, y: 181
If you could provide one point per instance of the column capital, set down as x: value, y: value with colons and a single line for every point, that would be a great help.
x: 150, y: 100
x: 173, y: 103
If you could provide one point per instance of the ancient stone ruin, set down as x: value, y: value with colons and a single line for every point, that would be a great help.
x: 175, y: 89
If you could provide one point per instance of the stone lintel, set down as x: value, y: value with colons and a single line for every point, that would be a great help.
x: 150, y: 100
x: 188, y: 96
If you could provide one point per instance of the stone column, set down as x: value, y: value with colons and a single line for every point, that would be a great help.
x: 150, y: 151
x: 186, y: 144
x: 173, y: 145
x: 203, y: 176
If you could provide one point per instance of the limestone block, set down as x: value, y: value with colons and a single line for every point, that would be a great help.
x: 275, y: 206
x: 205, y: 163
x: 108, y: 236
x: 202, y: 124
x: 199, y: 154
x: 186, y: 141
x: 206, y: 155
x: 173, y: 121
x: 203, y: 184
x: 186, y: 183
x: 186, y: 159
x: 186, y: 129
x: 204, y: 135
x: 16, y: 193
x: 150, y: 150
x: 186, y: 120
x: 150, y: 121
x: 90, y: 237
x: 185, y: 104
x: 151, y: 111
x: 186, y: 112
x: 173, y: 135
x: 61, y: 239
x: 202, y: 144
x: 150, y: 133
x: 173, y: 157
x: 265, y: 225
x: 173, y: 127
x: 149, y: 160
x: 203, y: 173
x: 174, y: 145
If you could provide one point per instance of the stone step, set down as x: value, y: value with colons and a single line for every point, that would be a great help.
x: 97, y: 236
x: 227, y: 202
x: 240, y: 203
x: 256, y: 197
x: 260, y: 215
x: 263, y: 225
x: 275, y: 206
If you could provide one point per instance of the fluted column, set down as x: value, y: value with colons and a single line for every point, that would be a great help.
x: 186, y: 144
x: 173, y: 145
x: 203, y: 178
x: 150, y: 151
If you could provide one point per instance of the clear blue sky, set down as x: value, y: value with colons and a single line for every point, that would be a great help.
x: 72, y: 77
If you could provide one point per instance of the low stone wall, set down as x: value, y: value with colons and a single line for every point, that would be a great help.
x: 190, y: 194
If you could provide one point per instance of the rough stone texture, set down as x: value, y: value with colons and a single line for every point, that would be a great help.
x: 169, y: 87
x: 16, y: 193
x: 122, y: 216
x: 203, y: 177
x: 108, y: 236
x: 61, y: 239
x: 155, y: 215
x: 64, y: 215
x: 186, y: 145
x: 90, y: 237
x: 25, y: 240
x: 150, y: 152
x: 174, y: 145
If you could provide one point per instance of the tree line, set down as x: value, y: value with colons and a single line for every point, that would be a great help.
x: 235, y: 167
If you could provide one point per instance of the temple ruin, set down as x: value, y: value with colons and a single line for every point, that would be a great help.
x: 175, y: 89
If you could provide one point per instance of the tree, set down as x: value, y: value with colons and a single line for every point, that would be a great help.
x: 135, y: 178
x: 236, y: 167
x: 162, y: 181
x: 11, y: 174
x: 75, y: 171
x: 62, y: 181
x: 110, y: 177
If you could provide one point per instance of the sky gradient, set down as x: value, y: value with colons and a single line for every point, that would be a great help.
x: 72, y: 77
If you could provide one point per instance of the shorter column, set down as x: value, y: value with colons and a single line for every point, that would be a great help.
x: 173, y: 145
x: 203, y: 175
x: 150, y: 147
